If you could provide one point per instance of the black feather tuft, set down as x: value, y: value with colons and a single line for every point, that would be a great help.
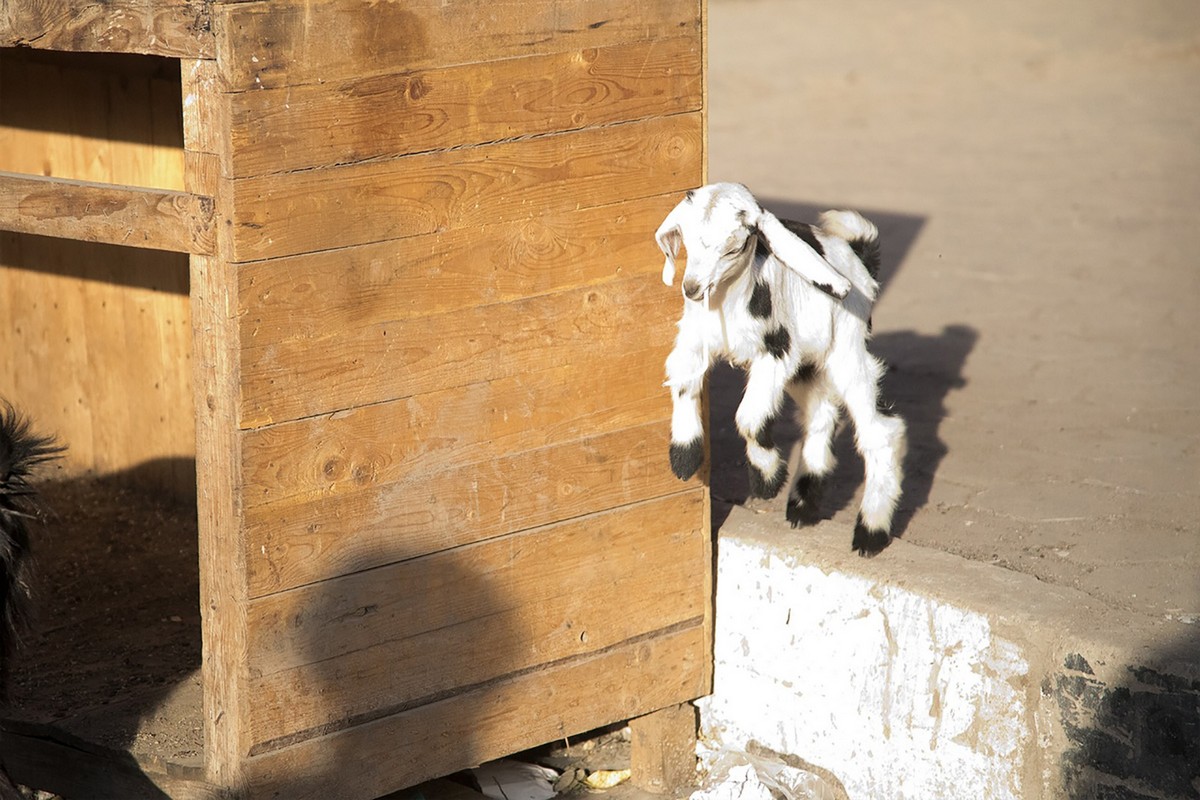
x: 869, y: 542
x: 21, y: 452
x: 867, y: 251
x: 686, y: 458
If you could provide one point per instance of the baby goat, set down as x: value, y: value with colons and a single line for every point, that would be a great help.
x: 791, y: 303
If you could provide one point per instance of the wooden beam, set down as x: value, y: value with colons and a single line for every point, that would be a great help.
x: 175, y: 28
x: 156, y: 219
x: 663, y: 751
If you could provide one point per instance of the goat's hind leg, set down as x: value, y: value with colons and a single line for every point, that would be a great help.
x: 880, y: 439
x: 755, y: 418
x: 817, y: 412
x: 686, y: 368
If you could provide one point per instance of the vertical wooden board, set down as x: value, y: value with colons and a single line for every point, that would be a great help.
x: 355, y: 364
x: 294, y: 298
x: 101, y: 350
x: 104, y: 118
x: 490, y: 609
x: 389, y: 442
x: 264, y: 45
x: 314, y: 210
x: 219, y: 517
x: 381, y: 116
x: 301, y: 541
x: 490, y: 721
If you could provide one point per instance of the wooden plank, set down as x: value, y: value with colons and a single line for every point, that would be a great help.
x: 267, y: 44
x: 663, y: 750
x: 219, y: 517
x: 301, y: 541
x: 381, y: 116
x: 107, y: 118
x: 98, y: 212
x: 390, y: 442
x: 175, y: 28
x: 99, y: 342
x: 45, y: 757
x: 490, y: 721
x: 297, y: 297
x: 302, y: 212
x: 362, y: 363
x: 608, y: 577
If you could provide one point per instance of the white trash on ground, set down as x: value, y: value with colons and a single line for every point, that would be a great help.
x: 737, y: 775
x: 515, y: 780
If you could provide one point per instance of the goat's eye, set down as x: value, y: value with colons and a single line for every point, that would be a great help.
x: 741, y: 248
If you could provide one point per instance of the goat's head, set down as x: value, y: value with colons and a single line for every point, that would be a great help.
x: 720, y: 225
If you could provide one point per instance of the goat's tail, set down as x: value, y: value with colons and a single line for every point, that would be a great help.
x: 859, y: 232
x: 21, y: 452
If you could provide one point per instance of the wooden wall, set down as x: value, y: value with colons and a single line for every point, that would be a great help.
x: 457, y: 528
x: 427, y: 335
x: 97, y: 338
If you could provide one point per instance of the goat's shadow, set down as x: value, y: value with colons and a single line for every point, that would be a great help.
x: 922, y: 371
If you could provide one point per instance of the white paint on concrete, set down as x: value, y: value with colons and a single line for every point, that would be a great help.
x: 897, y: 694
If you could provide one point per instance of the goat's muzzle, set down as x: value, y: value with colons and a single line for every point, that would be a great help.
x: 692, y: 289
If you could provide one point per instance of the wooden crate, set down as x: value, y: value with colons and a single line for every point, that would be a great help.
x: 386, y: 272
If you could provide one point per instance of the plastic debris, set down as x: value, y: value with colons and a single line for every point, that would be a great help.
x: 515, y: 780
x: 737, y: 775
x: 606, y: 778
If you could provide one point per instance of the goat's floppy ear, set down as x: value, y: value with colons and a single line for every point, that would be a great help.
x: 798, y: 256
x: 670, y: 238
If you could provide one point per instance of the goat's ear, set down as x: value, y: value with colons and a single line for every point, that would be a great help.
x: 670, y: 237
x: 798, y: 256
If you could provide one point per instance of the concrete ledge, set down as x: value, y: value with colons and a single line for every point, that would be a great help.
x: 919, y: 674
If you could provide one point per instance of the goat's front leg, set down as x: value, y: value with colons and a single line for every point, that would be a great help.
x: 817, y: 412
x: 686, y: 367
x: 755, y: 417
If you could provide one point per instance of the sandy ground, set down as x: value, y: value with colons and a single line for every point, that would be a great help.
x: 1035, y: 172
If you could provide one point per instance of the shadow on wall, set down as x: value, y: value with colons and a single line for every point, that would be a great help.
x: 352, y: 679
x: 923, y: 369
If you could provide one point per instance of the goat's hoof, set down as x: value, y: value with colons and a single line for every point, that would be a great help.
x: 767, y: 487
x: 804, y: 501
x: 869, y: 542
x: 687, y: 458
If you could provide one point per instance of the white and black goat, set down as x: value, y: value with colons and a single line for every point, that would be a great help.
x: 791, y: 303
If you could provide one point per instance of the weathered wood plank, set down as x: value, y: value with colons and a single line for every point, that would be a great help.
x: 267, y: 44
x: 301, y: 541
x: 296, y: 297
x: 98, y: 212
x: 389, y: 442
x: 608, y: 577
x: 219, y: 512
x: 302, y: 212
x: 490, y: 721
x: 175, y: 28
x: 382, y: 116
x: 358, y: 362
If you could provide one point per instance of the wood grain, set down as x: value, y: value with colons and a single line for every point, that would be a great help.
x: 98, y: 212
x: 219, y: 511
x: 315, y: 210
x: 269, y: 44
x: 390, y: 442
x: 361, y: 363
x: 490, y: 721
x: 176, y: 28
x: 381, y: 116
x: 355, y: 646
x: 300, y: 541
x: 297, y: 297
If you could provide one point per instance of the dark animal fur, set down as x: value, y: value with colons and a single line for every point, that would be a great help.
x: 21, y: 452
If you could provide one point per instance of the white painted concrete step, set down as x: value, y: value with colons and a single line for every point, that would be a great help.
x: 919, y: 674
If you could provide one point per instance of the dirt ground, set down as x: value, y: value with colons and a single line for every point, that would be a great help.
x: 1034, y: 170
x: 114, y: 654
